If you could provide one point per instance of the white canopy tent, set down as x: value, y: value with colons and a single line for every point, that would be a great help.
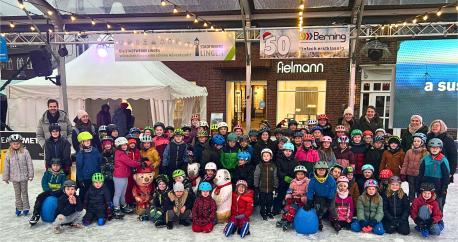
x: 92, y: 77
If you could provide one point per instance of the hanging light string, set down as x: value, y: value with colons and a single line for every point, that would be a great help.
x: 301, y: 8
x: 190, y: 15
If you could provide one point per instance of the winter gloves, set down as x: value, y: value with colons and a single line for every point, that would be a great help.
x: 287, y: 179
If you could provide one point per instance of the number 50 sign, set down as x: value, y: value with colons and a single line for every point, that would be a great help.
x: 279, y: 44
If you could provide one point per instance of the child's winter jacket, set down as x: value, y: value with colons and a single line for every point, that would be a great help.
x: 204, y: 211
x: 87, y: 163
x: 123, y: 164
x: 325, y: 189
x: 435, y: 170
x: 65, y: 208
x: 53, y: 181
x: 436, y: 214
x: 18, y: 166
x: 344, y: 207
x: 265, y: 177
x: 242, y: 204
x: 412, y: 159
x: 370, y: 207
x: 298, y: 190
x: 345, y: 157
x: 393, y: 159
x: 359, y: 152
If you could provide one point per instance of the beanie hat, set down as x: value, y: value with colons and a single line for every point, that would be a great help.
x: 81, y: 113
x: 417, y: 117
x: 178, y: 187
x: 348, y: 110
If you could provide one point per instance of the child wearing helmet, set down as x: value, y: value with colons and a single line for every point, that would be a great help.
x: 352, y: 185
x: 148, y: 130
x: 229, y: 152
x: 57, y: 147
x: 18, y: 169
x: 244, y: 169
x: 368, y: 173
x: 212, y: 151
x: 97, y: 201
x: 326, y: 127
x: 203, y: 210
x: 241, y: 210
x: 263, y: 142
x: 133, y: 153
x: 426, y: 213
x: 88, y: 161
x: 244, y: 144
x: 297, y: 139
x: 158, y: 202
x: 359, y: 149
x: 344, y: 205
x: 160, y: 139
x: 369, y: 210
x: 306, y: 154
x: 317, y: 133
x: 149, y: 154
x: 187, y: 136
x: 295, y: 197
x: 393, y: 157
x: 285, y: 168
x: 168, y: 132
x: 175, y: 154
x: 384, y: 176
x: 238, y: 130
x: 253, y: 134
x: 69, y: 208
x: 311, y: 123
x: 113, y: 131
x: 396, y: 208
x: 179, y: 206
x: 368, y: 137
x: 374, y: 154
x: 411, y: 164
x: 325, y: 151
x: 222, y: 128
x: 344, y: 155
x: 209, y: 173
x: 122, y: 171
x: 435, y: 169
x: 179, y: 176
x: 321, y: 192
x: 199, y: 145
x: 107, y: 165
x: 266, y: 181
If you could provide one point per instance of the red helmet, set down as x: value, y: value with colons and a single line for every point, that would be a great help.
x: 308, y: 137
x: 322, y: 116
x: 238, y: 126
x: 368, y: 133
x: 341, y: 128
x: 386, y: 174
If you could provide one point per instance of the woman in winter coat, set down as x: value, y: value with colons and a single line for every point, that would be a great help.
x: 411, y: 165
x: 370, y: 120
x: 438, y: 129
x: 415, y: 126
x: 82, y: 124
x: 348, y: 120
x: 396, y: 207
x: 204, y: 210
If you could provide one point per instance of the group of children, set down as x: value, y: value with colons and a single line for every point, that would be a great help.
x: 352, y: 182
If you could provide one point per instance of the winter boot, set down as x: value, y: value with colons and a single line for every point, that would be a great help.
x: 425, y: 233
x: 18, y: 212
x: 320, y: 224
x: 244, y: 230
x: 126, y: 209
x: 57, y: 229
x: 117, y: 214
x: 170, y: 225
x: 229, y: 229
x: 34, y: 219
x: 286, y: 226
x: 25, y: 212
x: 336, y: 225
x: 159, y: 224
x: 185, y: 222
x: 280, y: 223
x: 143, y: 217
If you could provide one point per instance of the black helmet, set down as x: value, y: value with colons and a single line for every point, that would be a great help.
x: 292, y: 122
x: 111, y: 127
x: 278, y: 131
x: 56, y: 161
x: 54, y: 126
x: 170, y: 128
x: 162, y: 178
x: 69, y: 183
x: 427, y: 187
x: 253, y: 132
x: 298, y: 134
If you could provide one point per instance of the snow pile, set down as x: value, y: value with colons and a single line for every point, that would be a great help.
x: 14, y: 228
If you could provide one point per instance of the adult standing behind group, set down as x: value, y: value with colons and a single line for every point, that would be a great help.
x: 53, y: 115
x: 370, y: 120
x: 415, y: 126
x: 104, y: 116
x: 123, y: 119
x: 348, y: 120
x: 82, y: 124
x: 438, y: 129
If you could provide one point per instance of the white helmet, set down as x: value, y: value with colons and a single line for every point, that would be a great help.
x: 120, y: 141
x: 222, y: 124
x: 312, y: 122
x: 203, y: 123
x: 210, y: 166
x: 267, y: 150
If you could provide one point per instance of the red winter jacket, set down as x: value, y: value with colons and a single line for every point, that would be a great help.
x: 436, y: 213
x: 160, y: 142
x: 242, y: 204
x: 122, y: 164
x: 204, y: 211
x: 345, y: 157
x: 309, y: 155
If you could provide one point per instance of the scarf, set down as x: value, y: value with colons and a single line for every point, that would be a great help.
x: 53, y: 119
x: 194, y: 181
x: 321, y: 179
x: 368, y: 120
x: 341, y: 194
x: 347, y: 124
x: 413, y: 130
x: 218, y: 188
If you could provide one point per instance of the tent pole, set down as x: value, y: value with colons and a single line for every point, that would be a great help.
x: 63, y: 82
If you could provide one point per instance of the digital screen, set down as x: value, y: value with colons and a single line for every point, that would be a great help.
x: 426, y: 82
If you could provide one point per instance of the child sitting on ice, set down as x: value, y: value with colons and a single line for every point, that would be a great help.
x: 369, y: 210
x: 69, y: 208
x: 344, y: 205
x: 179, y: 206
x: 204, y: 210
x: 241, y: 210
x: 97, y: 201
x: 426, y: 213
x: 396, y: 208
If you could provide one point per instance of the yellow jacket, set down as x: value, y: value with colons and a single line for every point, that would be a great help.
x: 153, y: 156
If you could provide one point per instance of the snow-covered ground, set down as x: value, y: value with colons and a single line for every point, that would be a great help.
x: 14, y: 228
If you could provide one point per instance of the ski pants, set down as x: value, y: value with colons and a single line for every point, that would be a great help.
x: 21, y: 194
x: 74, y: 218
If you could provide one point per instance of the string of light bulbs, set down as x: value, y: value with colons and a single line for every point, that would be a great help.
x: 301, y: 15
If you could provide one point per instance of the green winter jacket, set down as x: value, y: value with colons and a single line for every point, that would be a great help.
x: 368, y: 209
x: 228, y: 157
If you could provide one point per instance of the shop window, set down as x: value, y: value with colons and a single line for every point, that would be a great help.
x: 309, y: 99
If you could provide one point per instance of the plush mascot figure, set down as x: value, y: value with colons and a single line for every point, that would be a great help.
x: 222, y: 195
x: 143, y: 189
x: 193, y: 175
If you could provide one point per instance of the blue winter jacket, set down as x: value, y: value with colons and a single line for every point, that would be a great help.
x: 327, y: 189
x: 53, y: 181
x: 87, y: 163
x: 435, y: 170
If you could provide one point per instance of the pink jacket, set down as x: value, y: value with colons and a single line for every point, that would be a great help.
x: 310, y: 155
x: 412, y: 161
x: 344, y: 208
x: 298, y: 189
x: 122, y: 164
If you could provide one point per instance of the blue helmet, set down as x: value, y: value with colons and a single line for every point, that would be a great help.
x: 243, y: 155
x: 134, y: 130
x: 316, y: 128
x: 205, y: 186
x: 218, y: 139
x: 367, y: 167
x: 379, y: 138
x: 421, y: 136
x: 288, y: 146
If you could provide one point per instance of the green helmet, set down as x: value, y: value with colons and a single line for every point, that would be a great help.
x: 202, y: 133
x: 146, y: 139
x: 214, y: 126
x: 178, y: 132
x: 232, y: 137
x: 84, y: 136
x: 321, y: 165
x: 98, y: 177
x: 177, y: 173
x: 148, y: 128
x: 356, y: 132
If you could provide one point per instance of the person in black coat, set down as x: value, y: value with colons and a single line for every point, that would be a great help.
x: 370, y: 120
x: 374, y: 154
x: 97, y: 201
x: 264, y: 142
x: 415, y: 126
x: 82, y: 124
x: 244, y: 170
x: 285, y: 172
x: 212, y: 152
x: 57, y: 147
x: 438, y: 129
x: 69, y: 208
x: 396, y: 208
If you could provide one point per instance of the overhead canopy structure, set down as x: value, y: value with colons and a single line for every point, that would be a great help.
x: 92, y: 77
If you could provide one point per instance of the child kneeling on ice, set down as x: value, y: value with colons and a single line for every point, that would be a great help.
x: 369, y: 210
x: 396, y: 207
x: 344, y: 205
x: 204, y: 210
x: 69, y: 208
x: 241, y: 210
x: 295, y: 197
x: 426, y: 213
x: 321, y: 193
x: 97, y: 201
x: 179, y: 205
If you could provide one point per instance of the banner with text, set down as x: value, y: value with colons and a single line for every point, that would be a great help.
x: 332, y: 42
x: 30, y: 142
x: 209, y: 46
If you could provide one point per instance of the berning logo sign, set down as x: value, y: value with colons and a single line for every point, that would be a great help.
x: 317, y: 37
